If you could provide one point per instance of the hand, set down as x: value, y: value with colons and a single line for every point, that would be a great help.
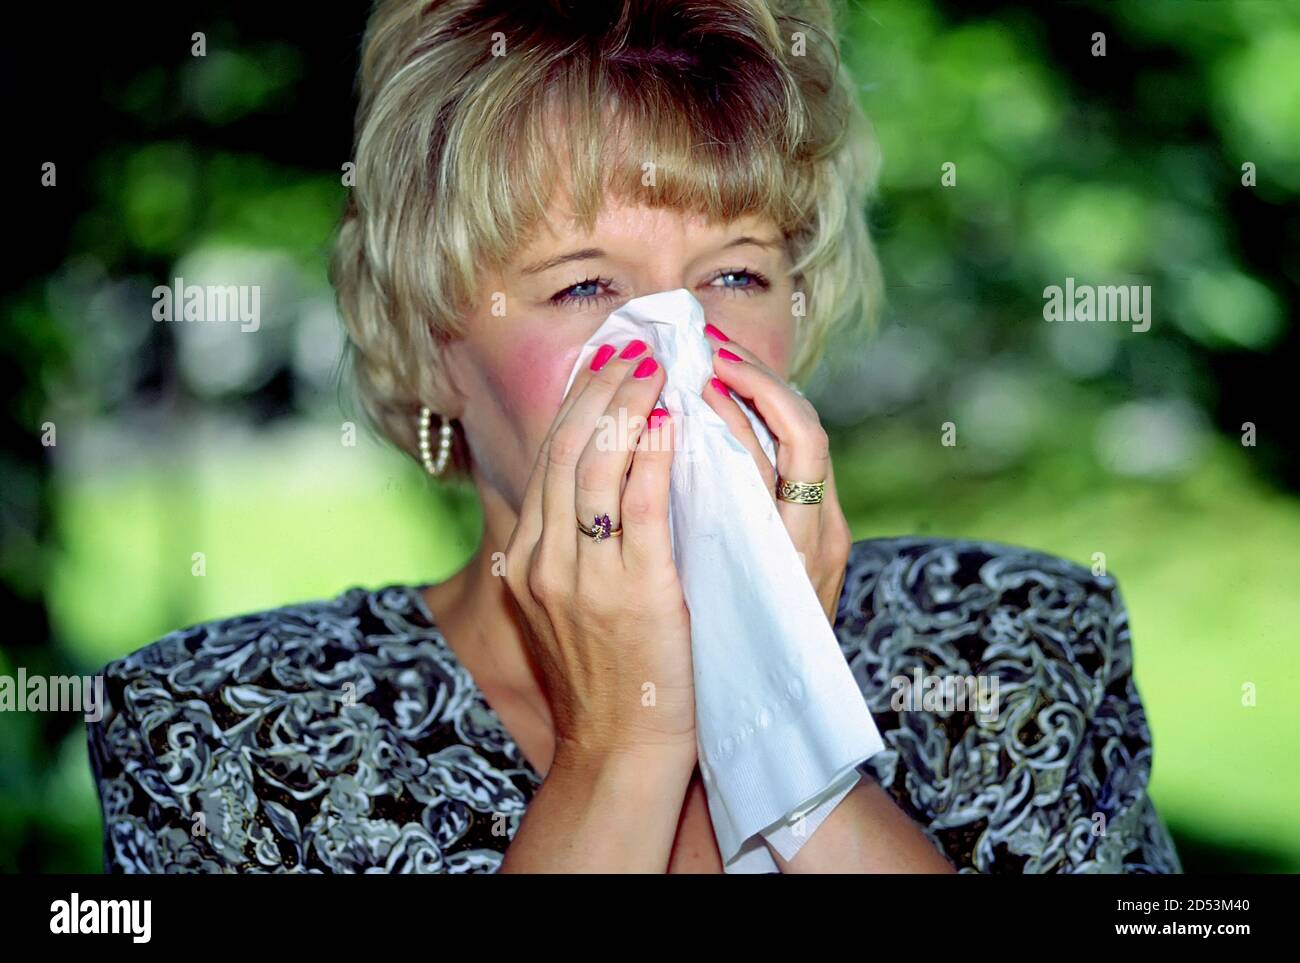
x: 606, y: 618
x: 820, y: 533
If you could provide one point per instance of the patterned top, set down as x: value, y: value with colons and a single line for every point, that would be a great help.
x: 344, y: 735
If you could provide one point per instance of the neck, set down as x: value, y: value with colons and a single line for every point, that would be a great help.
x: 475, y: 612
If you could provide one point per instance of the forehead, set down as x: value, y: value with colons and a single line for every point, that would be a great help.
x: 608, y: 204
x: 623, y: 221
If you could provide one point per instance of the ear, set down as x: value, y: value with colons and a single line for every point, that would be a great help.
x: 439, y: 382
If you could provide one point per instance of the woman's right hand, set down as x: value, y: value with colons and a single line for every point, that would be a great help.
x: 609, y: 627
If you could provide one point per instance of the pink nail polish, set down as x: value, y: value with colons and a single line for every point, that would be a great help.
x: 634, y: 348
x: 729, y: 355
x: 714, y: 332
x: 646, y: 368
x: 656, y: 417
x: 603, y: 354
x: 721, y: 387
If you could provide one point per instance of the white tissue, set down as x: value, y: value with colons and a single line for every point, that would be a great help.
x: 781, y: 724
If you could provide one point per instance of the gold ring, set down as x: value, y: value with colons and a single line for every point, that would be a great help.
x: 800, y: 493
x: 601, y: 528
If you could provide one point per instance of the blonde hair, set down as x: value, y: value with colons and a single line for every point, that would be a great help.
x: 743, y: 107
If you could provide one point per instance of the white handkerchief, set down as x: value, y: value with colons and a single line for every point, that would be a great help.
x: 781, y: 725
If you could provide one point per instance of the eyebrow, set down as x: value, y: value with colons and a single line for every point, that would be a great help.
x: 592, y: 253
x: 586, y: 254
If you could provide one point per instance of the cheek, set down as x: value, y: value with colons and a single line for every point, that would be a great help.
x: 777, y: 349
x: 768, y: 335
x: 774, y: 345
x: 531, y: 379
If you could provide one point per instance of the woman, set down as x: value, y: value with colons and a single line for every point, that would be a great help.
x: 521, y: 171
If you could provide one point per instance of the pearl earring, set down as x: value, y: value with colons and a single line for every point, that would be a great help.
x: 434, y: 468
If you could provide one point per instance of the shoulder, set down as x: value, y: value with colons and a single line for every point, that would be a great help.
x: 972, y: 603
x: 1001, y: 680
x: 236, y: 647
x: 915, y: 564
x: 962, y: 588
x: 332, y: 735
x: 207, y: 670
x: 969, y: 604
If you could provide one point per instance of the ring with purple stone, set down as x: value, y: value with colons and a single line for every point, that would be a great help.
x: 601, y: 528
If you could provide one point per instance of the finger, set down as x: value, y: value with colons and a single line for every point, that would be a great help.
x: 825, y: 560
x: 647, y: 543
x: 528, y: 527
x: 803, y: 449
x: 569, y: 441
x: 718, y: 397
x: 598, y: 480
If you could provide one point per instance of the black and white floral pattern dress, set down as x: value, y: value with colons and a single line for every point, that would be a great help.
x: 344, y: 736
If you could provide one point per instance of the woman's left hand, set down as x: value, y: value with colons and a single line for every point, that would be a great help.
x: 820, y: 532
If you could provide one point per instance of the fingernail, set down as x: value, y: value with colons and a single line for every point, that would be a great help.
x: 729, y: 355
x: 603, y: 354
x: 634, y: 348
x: 646, y: 368
x: 657, y: 416
x: 714, y: 332
x: 721, y: 386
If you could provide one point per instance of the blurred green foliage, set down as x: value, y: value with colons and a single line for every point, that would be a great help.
x: 1076, y: 439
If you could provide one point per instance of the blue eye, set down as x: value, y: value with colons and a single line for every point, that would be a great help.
x: 584, y: 292
x: 589, y: 291
x: 753, y: 281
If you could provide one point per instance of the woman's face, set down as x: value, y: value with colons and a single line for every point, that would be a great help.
x: 510, y: 368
